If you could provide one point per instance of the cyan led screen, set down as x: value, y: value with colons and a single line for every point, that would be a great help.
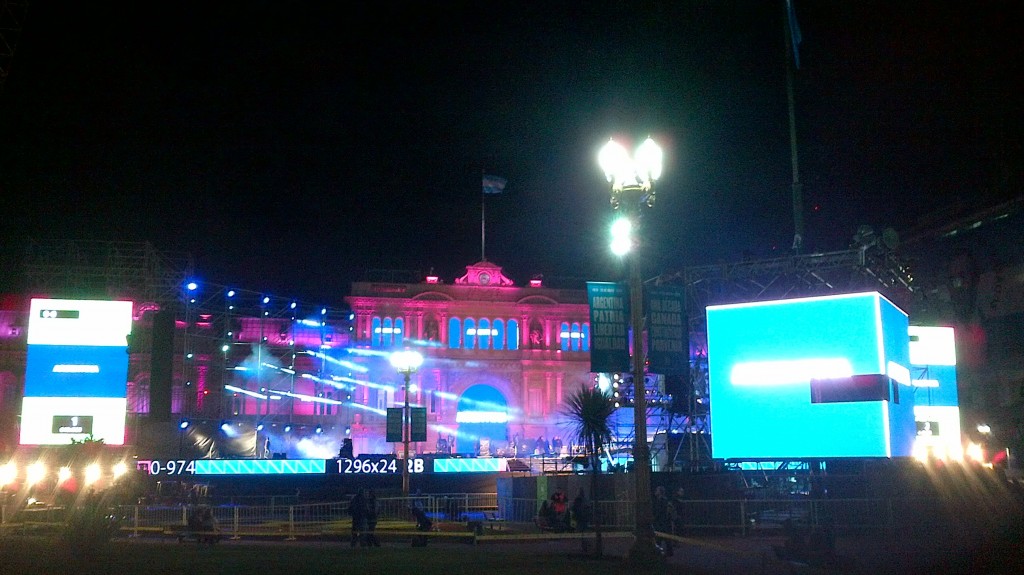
x: 76, y: 371
x: 763, y: 356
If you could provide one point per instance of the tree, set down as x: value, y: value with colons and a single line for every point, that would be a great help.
x: 588, y: 411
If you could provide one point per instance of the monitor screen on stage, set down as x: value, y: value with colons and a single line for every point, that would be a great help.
x: 819, y: 377
x: 76, y: 371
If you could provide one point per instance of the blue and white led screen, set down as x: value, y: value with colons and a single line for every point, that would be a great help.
x: 819, y: 377
x: 76, y: 372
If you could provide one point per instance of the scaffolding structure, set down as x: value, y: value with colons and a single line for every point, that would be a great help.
x: 89, y: 268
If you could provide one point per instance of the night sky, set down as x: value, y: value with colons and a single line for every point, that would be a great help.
x: 292, y: 148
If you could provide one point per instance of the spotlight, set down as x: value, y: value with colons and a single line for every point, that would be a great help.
x: 259, y: 426
x: 266, y: 300
x: 323, y: 311
x: 183, y: 424
x: 119, y: 469
x: 231, y: 293
x: 224, y: 426
x: 319, y: 429
x: 93, y: 473
x: 192, y: 286
x: 348, y: 431
x: 293, y: 305
x: 287, y: 428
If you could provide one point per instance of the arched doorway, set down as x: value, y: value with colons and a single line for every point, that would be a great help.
x: 483, y: 420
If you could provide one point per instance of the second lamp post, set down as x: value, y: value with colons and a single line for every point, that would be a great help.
x: 632, y: 180
x: 406, y: 362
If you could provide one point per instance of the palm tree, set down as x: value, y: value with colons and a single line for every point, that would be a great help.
x: 588, y: 411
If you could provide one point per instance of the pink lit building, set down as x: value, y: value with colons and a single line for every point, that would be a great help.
x: 500, y: 359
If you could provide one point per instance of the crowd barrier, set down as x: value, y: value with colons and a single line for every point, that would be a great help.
x: 469, y: 515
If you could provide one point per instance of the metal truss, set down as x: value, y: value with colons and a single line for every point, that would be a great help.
x: 871, y: 266
x: 83, y: 268
x: 12, y: 20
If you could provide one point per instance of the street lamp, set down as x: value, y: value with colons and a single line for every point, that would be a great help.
x: 632, y: 180
x: 406, y: 363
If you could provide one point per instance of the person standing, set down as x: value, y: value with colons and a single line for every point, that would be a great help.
x: 371, y: 520
x: 678, y: 515
x: 581, y: 511
x: 663, y: 518
x: 357, y: 509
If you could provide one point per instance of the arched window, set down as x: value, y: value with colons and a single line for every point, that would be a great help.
x: 499, y: 334
x: 564, y: 337
x: 483, y: 332
x: 454, y: 333
x: 470, y: 329
x: 399, y: 331
x: 512, y: 337
x: 387, y: 333
x: 585, y: 337
x: 375, y: 333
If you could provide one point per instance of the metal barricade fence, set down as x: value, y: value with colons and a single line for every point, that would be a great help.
x: 697, y: 516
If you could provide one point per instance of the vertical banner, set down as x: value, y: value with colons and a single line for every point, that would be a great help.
x: 668, y: 348
x: 418, y: 425
x: 394, y: 425
x: 609, y: 327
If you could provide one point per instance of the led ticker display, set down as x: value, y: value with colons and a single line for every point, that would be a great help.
x: 815, y: 377
x: 76, y: 371
x: 384, y: 464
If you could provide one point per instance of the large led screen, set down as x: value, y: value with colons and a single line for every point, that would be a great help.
x: 76, y: 372
x: 936, y: 406
x: 819, y: 377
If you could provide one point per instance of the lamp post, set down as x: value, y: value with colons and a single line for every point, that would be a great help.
x: 632, y: 181
x: 406, y: 363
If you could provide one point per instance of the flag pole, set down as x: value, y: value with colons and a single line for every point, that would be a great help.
x: 792, y: 41
x: 483, y: 223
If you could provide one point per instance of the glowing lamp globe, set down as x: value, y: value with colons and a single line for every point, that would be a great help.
x: 406, y: 361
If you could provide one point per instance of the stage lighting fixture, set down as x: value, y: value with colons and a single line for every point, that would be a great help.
x: 293, y: 304
x: 323, y: 311
x: 93, y: 473
x: 8, y: 473
x: 287, y: 428
x: 319, y: 429
x: 259, y: 426
x: 224, y: 425
x: 192, y: 286
x: 35, y: 473
x: 183, y: 424
x: 231, y: 293
x: 266, y: 300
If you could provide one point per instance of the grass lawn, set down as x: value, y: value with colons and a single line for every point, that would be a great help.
x: 40, y: 556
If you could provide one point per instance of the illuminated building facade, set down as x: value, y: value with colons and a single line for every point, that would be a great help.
x: 500, y: 358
